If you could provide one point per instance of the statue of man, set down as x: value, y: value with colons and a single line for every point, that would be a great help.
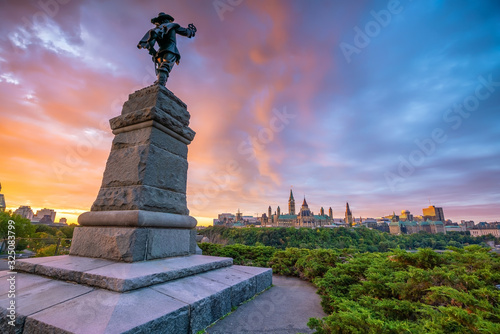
x: 164, y: 34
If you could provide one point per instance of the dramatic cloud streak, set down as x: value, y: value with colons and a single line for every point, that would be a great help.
x: 275, y: 99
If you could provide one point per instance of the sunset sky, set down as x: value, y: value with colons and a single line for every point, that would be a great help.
x: 387, y: 105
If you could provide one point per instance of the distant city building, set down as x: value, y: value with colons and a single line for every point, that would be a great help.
x: 291, y: 204
x: 44, y: 212
x: 348, y: 215
x: 3, y: 206
x: 369, y: 222
x: 484, y: 228
x: 226, y: 219
x: 431, y: 226
x: 411, y: 227
x: 42, y: 217
x: 239, y: 216
x: 455, y: 228
x: 468, y: 224
x: 392, y: 218
x: 406, y: 216
x: 238, y: 220
x: 46, y: 220
x: 25, y: 211
x: 433, y: 213
x: 304, y: 218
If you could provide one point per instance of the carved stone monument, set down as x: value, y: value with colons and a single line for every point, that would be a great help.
x: 133, y: 265
x: 140, y: 212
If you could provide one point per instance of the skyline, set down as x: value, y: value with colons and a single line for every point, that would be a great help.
x: 353, y: 102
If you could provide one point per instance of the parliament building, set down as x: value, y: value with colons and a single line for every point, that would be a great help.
x: 304, y: 218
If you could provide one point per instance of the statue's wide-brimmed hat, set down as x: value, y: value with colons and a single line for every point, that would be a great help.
x: 162, y: 17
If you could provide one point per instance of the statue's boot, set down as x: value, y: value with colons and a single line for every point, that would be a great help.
x: 162, y: 78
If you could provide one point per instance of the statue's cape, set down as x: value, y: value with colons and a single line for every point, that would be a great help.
x: 143, y: 43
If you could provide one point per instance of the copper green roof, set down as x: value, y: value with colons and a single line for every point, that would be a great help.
x: 409, y: 223
x: 287, y: 217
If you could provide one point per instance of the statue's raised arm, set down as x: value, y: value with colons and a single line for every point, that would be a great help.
x: 164, y: 34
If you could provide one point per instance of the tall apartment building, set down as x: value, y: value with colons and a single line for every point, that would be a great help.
x: 3, y: 206
x: 433, y: 213
x: 25, y: 211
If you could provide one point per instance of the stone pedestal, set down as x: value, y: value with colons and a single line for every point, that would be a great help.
x: 140, y: 212
x: 132, y: 266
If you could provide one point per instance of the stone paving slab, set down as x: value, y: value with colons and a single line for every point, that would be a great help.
x: 208, y: 300
x: 29, y: 265
x: 121, y: 276
x: 102, y: 311
x: 263, y: 276
x: 63, y: 267
x: 243, y: 285
x: 22, y: 282
x: 33, y: 294
x: 185, y: 305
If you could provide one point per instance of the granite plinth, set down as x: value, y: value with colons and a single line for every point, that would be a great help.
x: 183, y: 305
x: 132, y: 244
x: 147, y: 166
x: 120, y: 276
x: 136, y: 218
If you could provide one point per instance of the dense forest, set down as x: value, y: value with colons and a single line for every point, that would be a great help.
x: 390, y: 292
x: 362, y: 239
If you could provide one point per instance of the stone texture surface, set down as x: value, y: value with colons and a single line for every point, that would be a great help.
x: 159, y: 97
x: 140, y: 198
x: 26, y: 265
x: 263, y: 276
x: 33, y: 294
x: 184, y: 305
x: 158, y: 105
x: 23, y: 282
x: 132, y: 244
x: 114, y: 243
x: 146, y: 165
x: 160, y: 117
x: 136, y: 218
x: 120, y: 276
x: 150, y: 135
x: 208, y: 300
x: 63, y: 267
x: 101, y: 311
x: 243, y: 285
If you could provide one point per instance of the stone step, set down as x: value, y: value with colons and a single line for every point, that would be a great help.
x: 120, y: 276
x: 185, y: 305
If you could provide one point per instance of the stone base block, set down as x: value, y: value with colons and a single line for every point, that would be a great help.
x: 136, y: 218
x: 185, y: 305
x: 132, y: 244
x: 140, y: 197
x: 120, y: 276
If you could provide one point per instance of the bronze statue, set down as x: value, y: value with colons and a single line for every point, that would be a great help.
x: 164, y: 34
